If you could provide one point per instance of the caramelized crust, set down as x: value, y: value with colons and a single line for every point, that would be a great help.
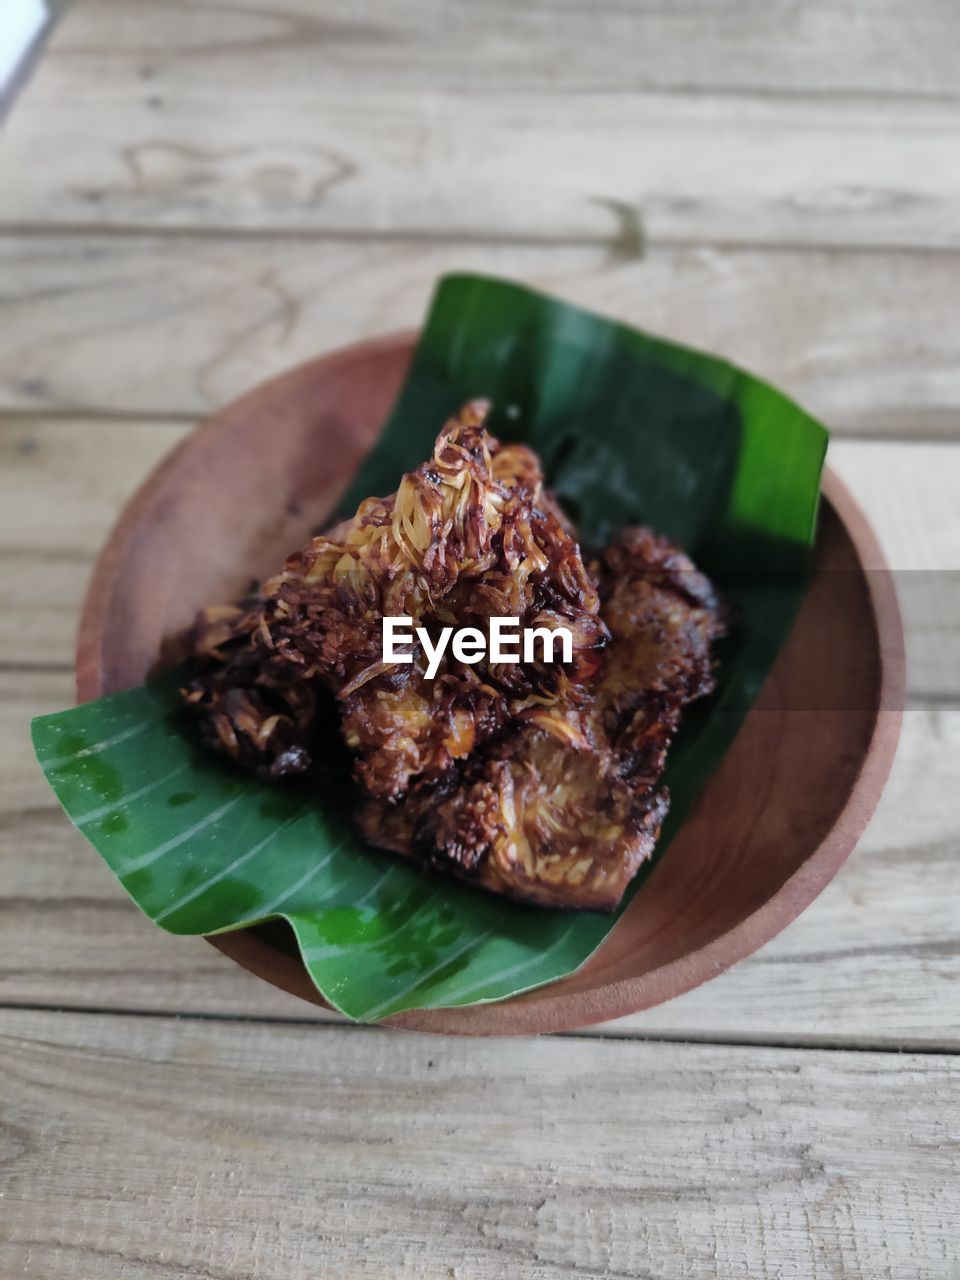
x: 563, y: 808
x: 540, y: 781
x: 250, y: 705
x: 541, y: 815
x: 463, y: 539
x: 664, y: 618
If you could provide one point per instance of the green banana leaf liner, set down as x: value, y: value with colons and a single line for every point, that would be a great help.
x: 630, y: 429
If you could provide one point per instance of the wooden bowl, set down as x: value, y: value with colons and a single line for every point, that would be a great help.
x: 773, y: 826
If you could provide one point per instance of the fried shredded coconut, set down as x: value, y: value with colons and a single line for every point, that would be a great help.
x: 540, y: 781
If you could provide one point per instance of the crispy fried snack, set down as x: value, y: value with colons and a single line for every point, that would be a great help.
x: 540, y: 781
x: 664, y: 617
x: 563, y: 808
x: 466, y: 536
x: 541, y: 815
x: 250, y: 704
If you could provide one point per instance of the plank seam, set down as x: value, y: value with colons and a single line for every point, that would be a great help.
x: 801, y: 1043
x: 612, y: 242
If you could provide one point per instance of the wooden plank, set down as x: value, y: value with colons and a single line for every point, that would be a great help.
x: 546, y: 167
x: 240, y: 119
x: 734, y: 47
x: 58, y: 500
x: 180, y: 324
x: 875, y: 960
x: 233, y: 1150
x: 62, y: 484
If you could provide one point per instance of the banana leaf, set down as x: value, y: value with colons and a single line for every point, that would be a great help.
x: 630, y: 429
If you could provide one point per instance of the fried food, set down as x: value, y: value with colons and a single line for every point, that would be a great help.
x: 538, y: 817
x: 563, y: 809
x: 463, y: 539
x: 537, y: 780
x: 250, y: 705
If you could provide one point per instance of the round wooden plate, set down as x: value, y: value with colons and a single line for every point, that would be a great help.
x: 772, y: 828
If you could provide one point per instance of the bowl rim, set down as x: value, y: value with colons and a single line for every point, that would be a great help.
x: 539, y: 1011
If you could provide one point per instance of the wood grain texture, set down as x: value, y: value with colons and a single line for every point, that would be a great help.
x: 734, y: 46
x: 313, y: 1152
x: 304, y: 1153
x: 267, y: 116
x: 550, y: 166
x: 182, y: 324
x: 62, y: 484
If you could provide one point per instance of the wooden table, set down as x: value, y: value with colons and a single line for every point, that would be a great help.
x: 194, y: 196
